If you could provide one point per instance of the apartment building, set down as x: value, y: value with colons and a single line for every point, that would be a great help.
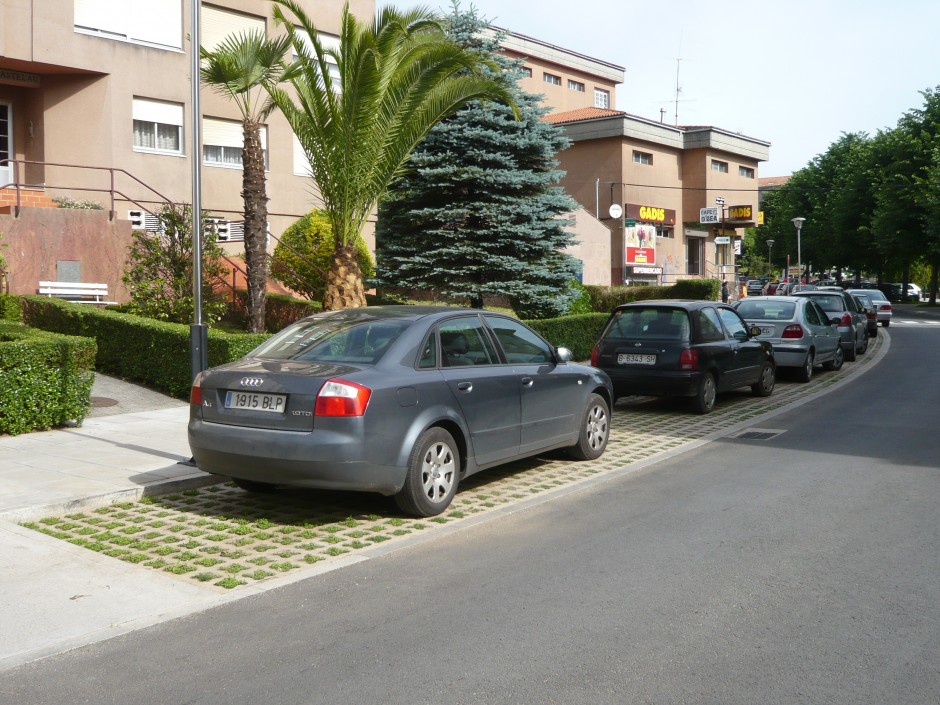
x: 95, y: 99
x: 646, y: 182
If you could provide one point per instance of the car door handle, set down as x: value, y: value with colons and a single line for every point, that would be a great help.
x: 465, y: 386
x: 526, y: 381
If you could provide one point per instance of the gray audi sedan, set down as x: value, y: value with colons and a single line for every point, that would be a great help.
x: 399, y: 400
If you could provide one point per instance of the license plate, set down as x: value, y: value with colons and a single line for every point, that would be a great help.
x: 632, y: 359
x: 768, y: 331
x: 256, y: 401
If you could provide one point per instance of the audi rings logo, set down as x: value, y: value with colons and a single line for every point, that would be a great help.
x: 251, y: 382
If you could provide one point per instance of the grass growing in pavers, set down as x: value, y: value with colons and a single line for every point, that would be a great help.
x: 227, y: 538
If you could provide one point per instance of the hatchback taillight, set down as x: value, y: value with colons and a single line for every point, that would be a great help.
x: 688, y: 360
x: 793, y: 331
x: 340, y: 397
x: 195, y: 393
x: 846, y: 319
x: 595, y: 354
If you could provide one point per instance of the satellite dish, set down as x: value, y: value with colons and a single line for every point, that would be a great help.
x: 615, y: 210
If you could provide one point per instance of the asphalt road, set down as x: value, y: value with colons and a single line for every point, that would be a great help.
x: 798, y: 569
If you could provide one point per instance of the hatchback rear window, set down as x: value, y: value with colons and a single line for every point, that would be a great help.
x: 333, y: 340
x: 767, y: 310
x: 830, y: 303
x: 651, y: 323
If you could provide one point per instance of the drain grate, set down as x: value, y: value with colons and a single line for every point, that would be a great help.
x: 757, y: 434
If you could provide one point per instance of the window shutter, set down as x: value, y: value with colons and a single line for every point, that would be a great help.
x: 301, y: 163
x: 158, y: 111
x: 102, y: 15
x: 227, y: 133
x: 156, y: 22
x: 217, y: 24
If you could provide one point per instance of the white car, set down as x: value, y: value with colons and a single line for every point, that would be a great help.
x: 880, y: 302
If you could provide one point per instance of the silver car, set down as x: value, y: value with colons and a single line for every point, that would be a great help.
x: 399, y: 400
x: 848, y: 317
x: 798, y: 329
x: 880, y: 302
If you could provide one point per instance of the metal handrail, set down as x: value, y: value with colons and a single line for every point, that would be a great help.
x: 19, y: 185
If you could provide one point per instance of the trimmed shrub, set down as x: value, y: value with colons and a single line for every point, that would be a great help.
x: 279, y: 310
x: 10, y: 307
x: 140, y: 349
x: 577, y: 333
x: 45, y: 378
x: 698, y: 289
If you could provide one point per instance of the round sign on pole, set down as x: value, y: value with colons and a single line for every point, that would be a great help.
x: 615, y: 210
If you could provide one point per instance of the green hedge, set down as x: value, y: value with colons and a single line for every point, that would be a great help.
x: 279, y: 310
x: 577, y: 333
x: 9, y: 307
x: 605, y: 299
x: 140, y: 349
x: 45, y: 378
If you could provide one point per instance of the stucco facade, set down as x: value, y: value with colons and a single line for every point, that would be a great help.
x: 72, y: 94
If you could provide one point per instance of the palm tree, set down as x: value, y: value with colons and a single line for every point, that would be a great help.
x: 396, y: 77
x: 245, y: 67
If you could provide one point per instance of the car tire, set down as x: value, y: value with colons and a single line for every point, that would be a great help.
x: 863, y: 348
x: 764, y: 386
x: 850, y: 352
x: 835, y: 364
x: 433, y: 475
x: 885, y: 324
x: 705, y: 397
x: 805, y: 373
x: 255, y: 487
x: 594, y: 432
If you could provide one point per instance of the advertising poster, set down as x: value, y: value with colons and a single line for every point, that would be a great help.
x: 641, y: 244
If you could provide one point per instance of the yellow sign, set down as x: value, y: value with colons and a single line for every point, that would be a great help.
x: 760, y: 217
x: 648, y: 213
x: 739, y: 213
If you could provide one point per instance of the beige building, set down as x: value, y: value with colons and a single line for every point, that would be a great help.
x: 104, y: 87
x: 645, y: 181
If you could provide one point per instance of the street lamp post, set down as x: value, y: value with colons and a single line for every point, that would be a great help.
x: 798, y: 224
x: 770, y: 254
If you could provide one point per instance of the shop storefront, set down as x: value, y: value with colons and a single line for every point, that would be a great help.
x: 644, y: 227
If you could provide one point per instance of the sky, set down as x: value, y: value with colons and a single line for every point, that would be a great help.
x: 795, y: 73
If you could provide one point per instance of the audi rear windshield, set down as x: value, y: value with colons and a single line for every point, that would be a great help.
x: 333, y: 340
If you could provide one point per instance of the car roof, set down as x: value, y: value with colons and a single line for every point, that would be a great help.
x: 687, y: 304
x: 400, y: 312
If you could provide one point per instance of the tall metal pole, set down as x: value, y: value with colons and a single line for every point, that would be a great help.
x: 198, y: 332
x: 798, y: 224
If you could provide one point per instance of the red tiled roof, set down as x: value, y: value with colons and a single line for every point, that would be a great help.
x: 582, y: 114
x: 772, y: 181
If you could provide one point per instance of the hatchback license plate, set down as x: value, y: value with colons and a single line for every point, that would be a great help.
x: 256, y: 401
x: 632, y: 359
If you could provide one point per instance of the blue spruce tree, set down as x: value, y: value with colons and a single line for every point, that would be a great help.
x: 479, y: 213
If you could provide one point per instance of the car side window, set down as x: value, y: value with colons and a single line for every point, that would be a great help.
x: 519, y: 344
x: 464, y: 342
x: 709, y: 325
x: 812, y: 316
x: 428, y: 359
x: 736, y: 328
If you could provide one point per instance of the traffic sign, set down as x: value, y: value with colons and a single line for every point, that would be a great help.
x: 722, y: 240
x: 709, y: 215
x: 629, y: 223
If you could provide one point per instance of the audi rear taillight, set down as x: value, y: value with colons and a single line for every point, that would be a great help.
x: 340, y: 397
x: 688, y: 360
x: 195, y: 393
x: 846, y: 319
x: 595, y: 354
x: 793, y: 331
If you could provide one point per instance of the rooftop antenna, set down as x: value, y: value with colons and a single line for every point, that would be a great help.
x: 678, y: 90
x: 662, y: 115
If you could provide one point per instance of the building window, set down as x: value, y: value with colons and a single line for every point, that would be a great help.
x: 642, y: 158
x: 155, y: 22
x: 601, y: 98
x: 327, y: 41
x: 216, y: 24
x: 575, y: 86
x: 551, y: 78
x: 223, y: 140
x: 301, y: 163
x: 665, y: 232
x: 158, y: 126
x: 746, y: 171
x: 526, y: 72
x: 719, y: 166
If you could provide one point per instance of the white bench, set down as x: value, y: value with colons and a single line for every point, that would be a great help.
x: 77, y: 292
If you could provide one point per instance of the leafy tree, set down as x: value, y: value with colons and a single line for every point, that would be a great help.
x: 396, y: 78
x: 159, y: 270
x: 478, y: 212
x: 244, y: 67
x: 303, y: 255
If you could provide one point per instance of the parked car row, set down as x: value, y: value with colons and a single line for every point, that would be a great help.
x: 407, y: 401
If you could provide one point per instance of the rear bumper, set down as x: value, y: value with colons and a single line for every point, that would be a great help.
x: 317, y: 459
x: 655, y: 383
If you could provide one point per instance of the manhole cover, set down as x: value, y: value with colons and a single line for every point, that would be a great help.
x: 757, y: 434
x: 101, y: 402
